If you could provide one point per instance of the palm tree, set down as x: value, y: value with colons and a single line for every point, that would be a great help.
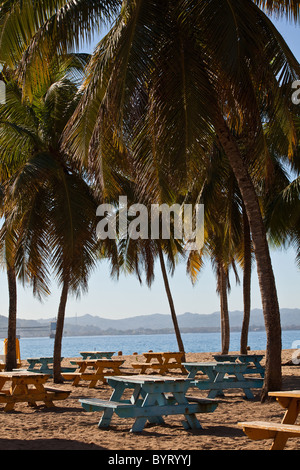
x: 203, y: 74
x: 246, y: 262
x: 139, y: 255
x: 210, y: 69
x: 8, y: 244
x: 9, y: 237
x: 220, y: 196
x: 51, y: 206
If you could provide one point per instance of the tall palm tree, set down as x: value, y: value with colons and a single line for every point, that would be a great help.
x: 246, y: 262
x: 197, y: 72
x: 8, y: 251
x: 220, y: 196
x: 50, y: 205
x: 138, y: 256
x: 11, y: 139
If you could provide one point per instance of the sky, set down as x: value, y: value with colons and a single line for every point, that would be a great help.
x: 124, y: 298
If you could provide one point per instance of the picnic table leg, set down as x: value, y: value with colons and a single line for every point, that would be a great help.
x: 9, y: 406
x: 158, y: 399
x: 15, y: 390
x: 150, y: 399
x: 247, y: 391
x: 108, y: 412
x: 216, y: 377
x: 77, y: 379
x: 259, y: 367
x: 99, y: 376
x: 162, y: 363
x: 138, y: 425
x: 191, y: 420
x: 2, y: 383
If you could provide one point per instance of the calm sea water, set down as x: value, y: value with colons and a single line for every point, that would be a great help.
x: 193, y: 342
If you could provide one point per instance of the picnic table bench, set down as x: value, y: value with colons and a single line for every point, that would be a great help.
x: 28, y: 387
x: 97, y: 354
x: 160, y: 361
x: 41, y: 365
x: 279, y: 432
x: 152, y: 398
x: 99, y: 368
x: 252, y: 360
x: 222, y: 376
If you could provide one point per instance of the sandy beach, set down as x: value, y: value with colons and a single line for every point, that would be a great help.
x: 68, y: 427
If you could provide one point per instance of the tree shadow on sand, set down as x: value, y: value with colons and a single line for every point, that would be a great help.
x: 47, y: 444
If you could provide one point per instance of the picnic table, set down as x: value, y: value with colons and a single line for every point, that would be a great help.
x: 28, y: 387
x: 41, y: 365
x: 160, y: 361
x: 222, y: 376
x: 152, y: 398
x: 97, y: 354
x: 99, y: 368
x: 279, y: 432
x: 252, y: 360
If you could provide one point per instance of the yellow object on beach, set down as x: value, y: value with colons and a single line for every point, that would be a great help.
x: 18, y: 354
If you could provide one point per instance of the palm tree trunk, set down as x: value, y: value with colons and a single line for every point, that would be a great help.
x: 246, y: 284
x: 57, y: 377
x: 225, y: 329
x: 171, y: 303
x: 273, y: 376
x: 11, y: 359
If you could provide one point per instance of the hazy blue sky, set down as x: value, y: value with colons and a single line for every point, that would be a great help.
x: 123, y: 298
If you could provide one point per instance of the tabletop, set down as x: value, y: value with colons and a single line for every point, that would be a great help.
x: 144, y: 379
x: 227, y: 367
x: 97, y: 362
x: 250, y: 357
x: 164, y: 355
x: 149, y: 383
x: 44, y: 359
x: 22, y: 373
x: 285, y: 394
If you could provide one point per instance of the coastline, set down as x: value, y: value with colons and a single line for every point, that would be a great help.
x: 69, y: 427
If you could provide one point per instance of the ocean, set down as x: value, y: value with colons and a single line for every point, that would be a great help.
x: 128, y: 344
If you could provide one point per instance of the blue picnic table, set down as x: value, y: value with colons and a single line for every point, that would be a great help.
x: 252, y: 360
x: 41, y: 365
x: 222, y: 376
x: 97, y: 354
x: 152, y: 398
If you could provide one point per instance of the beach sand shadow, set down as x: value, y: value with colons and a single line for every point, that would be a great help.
x: 47, y: 444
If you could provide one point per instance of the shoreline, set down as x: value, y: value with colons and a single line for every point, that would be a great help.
x: 149, y: 332
x: 68, y: 427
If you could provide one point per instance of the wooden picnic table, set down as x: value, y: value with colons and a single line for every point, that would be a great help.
x: 41, y: 365
x: 97, y: 354
x: 252, y: 360
x: 222, y: 376
x: 160, y: 361
x: 28, y: 387
x: 99, y: 368
x: 279, y: 432
x: 152, y: 398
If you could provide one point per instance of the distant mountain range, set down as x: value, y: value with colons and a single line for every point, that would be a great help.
x: 90, y: 325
